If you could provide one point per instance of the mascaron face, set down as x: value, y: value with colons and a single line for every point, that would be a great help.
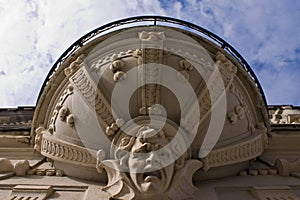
x: 146, y: 165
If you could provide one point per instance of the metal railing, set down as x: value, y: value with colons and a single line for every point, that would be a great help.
x: 155, y: 21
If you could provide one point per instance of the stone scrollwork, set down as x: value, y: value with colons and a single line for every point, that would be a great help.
x: 38, y: 138
x: 134, y: 154
x: 101, y: 155
x: 184, y: 73
x: 135, y: 171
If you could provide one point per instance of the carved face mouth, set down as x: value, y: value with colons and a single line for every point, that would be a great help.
x: 148, y: 176
x: 152, y: 181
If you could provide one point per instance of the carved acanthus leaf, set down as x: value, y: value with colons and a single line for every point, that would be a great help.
x: 118, y: 186
x: 182, y: 185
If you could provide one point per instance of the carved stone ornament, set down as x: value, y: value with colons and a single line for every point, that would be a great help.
x: 116, y: 67
x: 74, y: 66
x: 149, y: 56
x: 60, y: 111
x: 84, y: 133
x: 84, y: 84
x: 66, y: 152
x: 238, y: 114
x: 6, y: 165
x: 243, y: 151
x: 20, y: 168
x: 38, y: 138
x: 31, y: 192
x: 184, y: 73
x: 286, y: 168
x: 135, y: 171
x: 274, y: 192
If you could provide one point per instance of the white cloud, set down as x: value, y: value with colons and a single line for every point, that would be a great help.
x: 34, y: 34
x: 265, y: 32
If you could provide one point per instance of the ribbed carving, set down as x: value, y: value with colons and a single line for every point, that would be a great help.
x: 85, y: 87
x: 149, y: 57
x: 236, y: 153
x: 59, y: 150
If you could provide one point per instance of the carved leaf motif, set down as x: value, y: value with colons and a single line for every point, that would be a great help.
x: 182, y: 185
x: 238, y: 114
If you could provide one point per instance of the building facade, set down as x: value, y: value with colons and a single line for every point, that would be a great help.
x: 150, y: 108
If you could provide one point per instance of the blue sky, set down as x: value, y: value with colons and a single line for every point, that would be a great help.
x: 35, y: 33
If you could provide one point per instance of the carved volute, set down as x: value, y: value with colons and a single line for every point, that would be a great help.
x: 146, y: 110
